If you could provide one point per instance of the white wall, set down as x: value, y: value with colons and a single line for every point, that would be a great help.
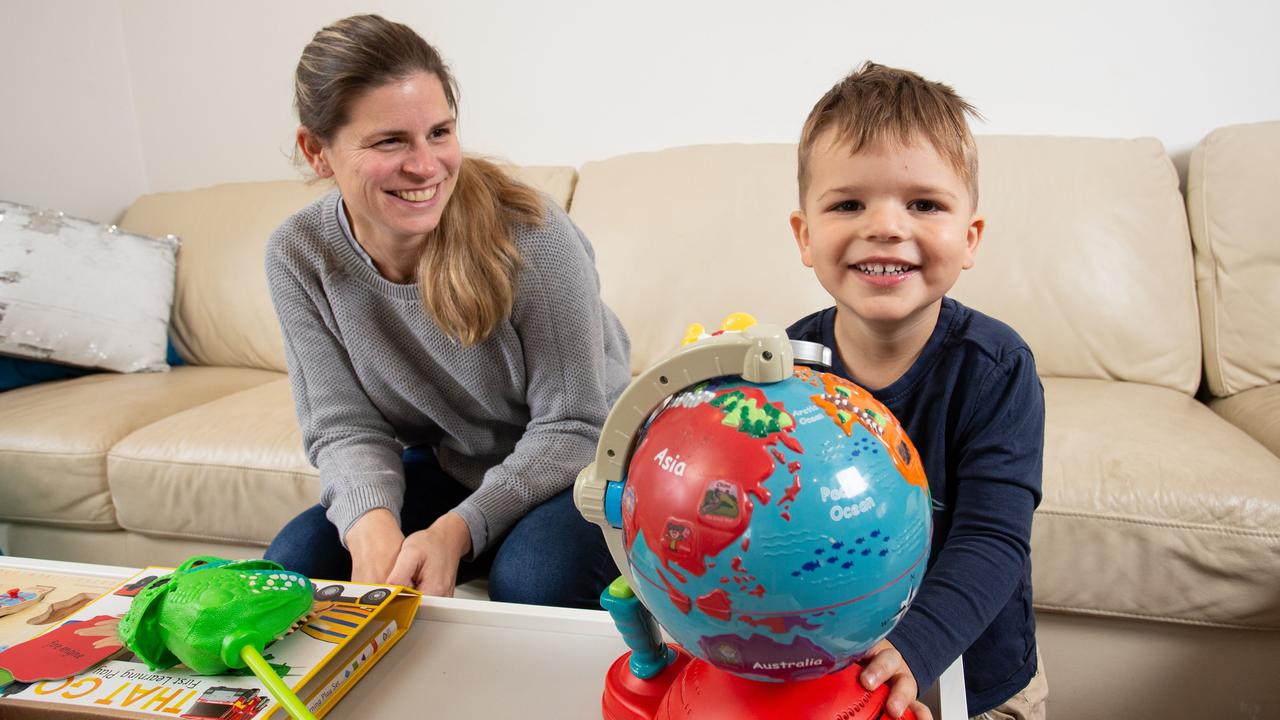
x: 68, y: 129
x: 567, y: 81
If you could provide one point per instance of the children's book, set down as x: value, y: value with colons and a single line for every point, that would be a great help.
x: 350, y: 628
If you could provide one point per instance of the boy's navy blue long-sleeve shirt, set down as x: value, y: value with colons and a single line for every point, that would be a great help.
x: 973, y: 406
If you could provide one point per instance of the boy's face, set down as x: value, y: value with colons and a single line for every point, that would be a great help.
x: 887, y: 230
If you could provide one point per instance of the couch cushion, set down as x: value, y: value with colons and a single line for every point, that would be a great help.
x: 1232, y: 184
x: 1255, y: 411
x: 55, y: 436
x: 222, y: 313
x: 231, y: 470
x: 1086, y: 252
x: 556, y: 181
x: 1156, y: 508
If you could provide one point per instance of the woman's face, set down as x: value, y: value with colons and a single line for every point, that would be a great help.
x: 395, y: 160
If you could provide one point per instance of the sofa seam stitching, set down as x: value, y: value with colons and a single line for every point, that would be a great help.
x: 11, y: 451
x: 186, y: 463
x: 192, y: 536
x: 1160, y: 524
x: 72, y: 524
x: 1147, y: 616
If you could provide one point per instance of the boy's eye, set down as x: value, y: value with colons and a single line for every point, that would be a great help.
x: 926, y: 206
x: 847, y: 206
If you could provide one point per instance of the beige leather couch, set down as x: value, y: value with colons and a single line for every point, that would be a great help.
x: 1157, y: 547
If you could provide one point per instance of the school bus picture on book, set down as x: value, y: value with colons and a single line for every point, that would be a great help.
x: 337, y: 616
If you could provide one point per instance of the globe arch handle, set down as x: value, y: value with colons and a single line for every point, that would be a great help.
x: 759, y: 354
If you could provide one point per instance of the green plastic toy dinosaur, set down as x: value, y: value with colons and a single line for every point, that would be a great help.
x: 206, y: 612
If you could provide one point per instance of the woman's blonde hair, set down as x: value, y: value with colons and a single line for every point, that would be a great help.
x: 468, y: 267
x: 467, y: 272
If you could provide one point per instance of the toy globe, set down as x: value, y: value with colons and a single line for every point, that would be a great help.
x: 776, y: 531
x: 778, y: 526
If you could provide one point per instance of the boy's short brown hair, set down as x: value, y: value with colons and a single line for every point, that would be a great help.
x: 877, y: 104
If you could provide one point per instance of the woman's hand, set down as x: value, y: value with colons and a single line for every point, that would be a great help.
x: 374, y: 541
x: 884, y: 664
x: 428, y: 559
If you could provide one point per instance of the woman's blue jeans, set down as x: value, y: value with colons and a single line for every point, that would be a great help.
x: 552, y: 556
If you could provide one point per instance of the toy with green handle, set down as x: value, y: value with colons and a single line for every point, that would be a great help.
x: 213, y: 615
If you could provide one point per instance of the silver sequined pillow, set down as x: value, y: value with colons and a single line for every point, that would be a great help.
x: 80, y: 293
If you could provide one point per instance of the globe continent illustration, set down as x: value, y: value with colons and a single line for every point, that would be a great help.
x: 776, y: 531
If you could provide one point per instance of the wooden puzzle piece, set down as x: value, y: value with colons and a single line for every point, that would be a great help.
x: 61, y: 609
x: 19, y: 599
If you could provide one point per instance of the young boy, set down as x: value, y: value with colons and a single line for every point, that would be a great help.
x: 888, y: 196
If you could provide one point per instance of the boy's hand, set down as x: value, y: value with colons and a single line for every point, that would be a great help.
x: 884, y: 664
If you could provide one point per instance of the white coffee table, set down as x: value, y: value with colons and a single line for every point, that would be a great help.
x: 476, y: 658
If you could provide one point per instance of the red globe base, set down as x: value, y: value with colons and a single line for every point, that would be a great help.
x: 693, y: 688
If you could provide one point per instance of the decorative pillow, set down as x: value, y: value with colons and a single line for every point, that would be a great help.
x: 79, y: 293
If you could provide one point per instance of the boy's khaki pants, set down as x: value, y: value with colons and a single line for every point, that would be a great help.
x: 1028, y: 704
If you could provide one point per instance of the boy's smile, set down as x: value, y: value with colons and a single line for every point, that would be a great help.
x: 887, y: 231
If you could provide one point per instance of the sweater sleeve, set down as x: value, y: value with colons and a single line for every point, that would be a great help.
x: 986, y: 554
x: 564, y: 331
x: 346, y: 438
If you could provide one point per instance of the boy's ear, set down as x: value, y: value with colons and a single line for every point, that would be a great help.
x: 313, y: 150
x: 976, y: 226
x: 800, y: 228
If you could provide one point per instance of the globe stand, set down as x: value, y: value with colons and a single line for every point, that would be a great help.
x: 693, y: 688
x: 629, y: 697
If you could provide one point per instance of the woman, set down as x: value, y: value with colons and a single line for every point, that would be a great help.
x: 434, y: 303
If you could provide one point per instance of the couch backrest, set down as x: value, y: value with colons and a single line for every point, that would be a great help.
x: 222, y: 313
x: 1088, y: 256
x: 1086, y: 251
x: 1232, y: 187
x: 692, y: 234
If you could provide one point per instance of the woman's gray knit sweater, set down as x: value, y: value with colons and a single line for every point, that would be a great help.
x: 514, y: 417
